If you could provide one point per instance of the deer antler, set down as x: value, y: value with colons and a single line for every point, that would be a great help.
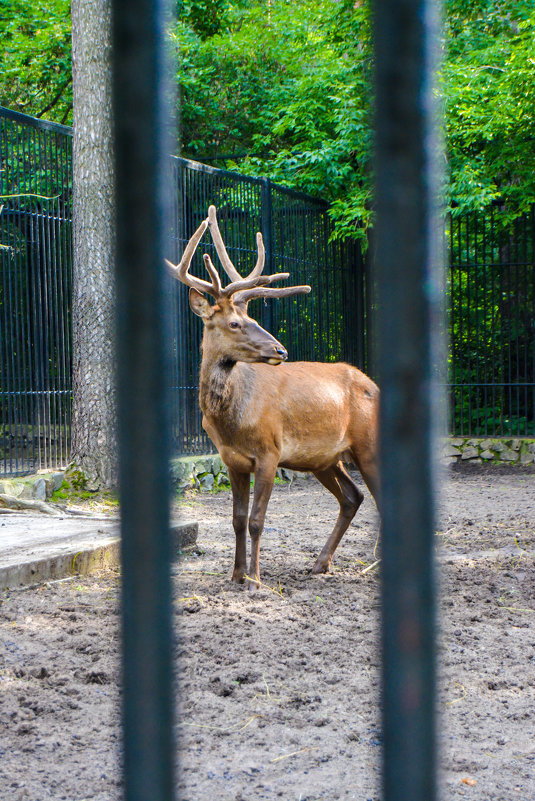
x: 254, y: 285
x: 244, y: 289
x: 181, y: 270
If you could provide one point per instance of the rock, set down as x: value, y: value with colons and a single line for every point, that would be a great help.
x: 207, y: 481
x: 57, y: 479
x: 531, y: 447
x: 516, y: 444
x: 12, y: 488
x: 486, y: 454
x: 456, y: 442
x: 201, y: 467
x: 527, y: 458
x: 450, y: 450
x: 217, y: 465
x: 53, y: 483
x: 469, y: 453
x: 486, y: 444
x: 498, y: 446
x: 508, y: 456
x: 39, y: 490
x: 222, y: 479
x: 34, y: 489
x: 178, y: 468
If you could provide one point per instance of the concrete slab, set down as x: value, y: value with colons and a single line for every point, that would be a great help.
x: 35, y: 549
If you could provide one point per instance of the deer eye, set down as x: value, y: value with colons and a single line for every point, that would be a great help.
x: 234, y: 324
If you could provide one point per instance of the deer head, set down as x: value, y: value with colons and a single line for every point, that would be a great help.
x: 229, y: 331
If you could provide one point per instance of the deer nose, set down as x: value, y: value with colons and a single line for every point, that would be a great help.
x: 281, y: 352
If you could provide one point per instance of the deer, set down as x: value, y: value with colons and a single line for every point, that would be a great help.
x: 262, y: 412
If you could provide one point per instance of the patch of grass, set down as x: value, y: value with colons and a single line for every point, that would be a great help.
x: 71, y: 493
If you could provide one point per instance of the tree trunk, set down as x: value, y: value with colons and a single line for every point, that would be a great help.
x: 93, y: 313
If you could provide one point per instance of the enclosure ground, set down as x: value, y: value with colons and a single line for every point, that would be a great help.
x: 280, y: 689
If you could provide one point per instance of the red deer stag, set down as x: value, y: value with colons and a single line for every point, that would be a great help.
x: 261, y: 414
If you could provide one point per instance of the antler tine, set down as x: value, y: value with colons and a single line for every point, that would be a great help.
x: 245, y: 283
x: 229, y: 268
x: 259, y: 266
x: 181, y: 271
x: 270, y: 292
x: 249, y: 283
x: 214, y: 275
x: 191, y: 280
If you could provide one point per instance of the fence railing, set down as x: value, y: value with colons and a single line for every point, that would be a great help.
x: 35, y: 292
x: 35, y: 233
x: 492, y: 325
x: 491, y: 296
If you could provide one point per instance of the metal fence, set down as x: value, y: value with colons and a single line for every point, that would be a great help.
x: 35, y: 233
x: 492, y: 324
x: 35, y: 291
x: 491, y: 296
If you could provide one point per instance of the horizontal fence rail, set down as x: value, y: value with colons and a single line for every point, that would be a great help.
x: 491, y: 296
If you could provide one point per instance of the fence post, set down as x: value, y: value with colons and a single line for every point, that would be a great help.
x: 141, y: 166
x: 408, y: 321
x: 267, y: 235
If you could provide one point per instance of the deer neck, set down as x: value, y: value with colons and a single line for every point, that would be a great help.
x: 219, y: 391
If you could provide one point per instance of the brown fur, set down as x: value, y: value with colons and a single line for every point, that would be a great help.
x: 260, y: 413
x: 305, y: 416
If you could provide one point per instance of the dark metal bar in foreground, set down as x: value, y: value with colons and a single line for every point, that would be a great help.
x: 408, y: 322
x: 142, y: 407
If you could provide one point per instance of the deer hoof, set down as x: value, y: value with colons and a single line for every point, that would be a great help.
x: 252, y: 586
x: 238, y: 576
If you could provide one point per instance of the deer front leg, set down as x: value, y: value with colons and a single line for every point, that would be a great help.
x: 264, y: 477
x: 240, y: 483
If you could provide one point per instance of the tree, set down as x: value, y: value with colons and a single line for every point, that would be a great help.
x: 93, y: 425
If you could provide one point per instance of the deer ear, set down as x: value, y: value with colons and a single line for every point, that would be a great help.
x: 199, y: 304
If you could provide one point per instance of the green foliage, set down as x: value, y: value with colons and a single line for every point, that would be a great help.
x: 204, y: 17
x: 284, y: 89
x: 35, y: 52
x: 488, y: 83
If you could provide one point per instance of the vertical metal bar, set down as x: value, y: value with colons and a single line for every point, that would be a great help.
x: 407, y: 268
x: 495, y: 372
x: 140, y: 123
x: 267, y: 235
x: 485, y: 354
x: 532, y: 345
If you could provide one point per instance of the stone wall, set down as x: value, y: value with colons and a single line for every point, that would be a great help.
x: 208, y: 472
x: 493, y: 450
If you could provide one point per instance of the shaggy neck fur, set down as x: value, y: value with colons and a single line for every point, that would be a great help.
x: 215, y: 386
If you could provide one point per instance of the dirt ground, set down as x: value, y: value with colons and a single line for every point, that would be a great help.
x: 279, y: 689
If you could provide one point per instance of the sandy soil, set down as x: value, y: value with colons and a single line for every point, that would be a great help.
x: 280, y: 688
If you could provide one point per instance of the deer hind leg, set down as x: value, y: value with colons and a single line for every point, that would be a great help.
x: 240, y: 483
x: 339, y: 482
x: 369, y: 470
x: 264, y: 477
